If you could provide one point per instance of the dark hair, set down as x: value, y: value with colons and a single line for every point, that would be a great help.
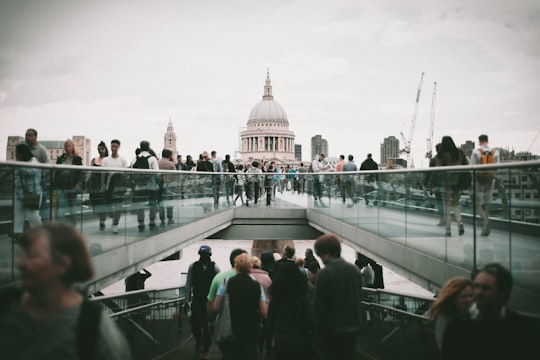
x: 328, y: 244
x: 64, y: 240
x: 234, y: 254
x: 351, y: 157
x: 342, y: 157
x: 483, y: 138
x: 166, y: 153
x: 289, y: 251
x: 213, y: 153
x: 227, y: 157
x: 502, y: 275
x: 115, y: 141
x: 144, y: 145
x: 449, y: 147
x: 102, y: 144
x: 369, y: 155
x: 24, y: 151
x: 32, y: 130
x: 255, y: 164
x: 288, y: 283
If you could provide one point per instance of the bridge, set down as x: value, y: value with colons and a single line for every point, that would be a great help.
x: 398, y: 229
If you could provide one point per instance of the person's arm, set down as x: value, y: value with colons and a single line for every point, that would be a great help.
x: 216, y: 306
x: 146, y: 274
x: 263, y: 308
x: 188, y: 284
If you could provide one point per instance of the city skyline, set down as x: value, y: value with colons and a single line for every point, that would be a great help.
x: 347, y: 70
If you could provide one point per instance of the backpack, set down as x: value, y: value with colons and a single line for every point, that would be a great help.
x: 487, y: 157
x: 87, y: 330
x: 141, y: 163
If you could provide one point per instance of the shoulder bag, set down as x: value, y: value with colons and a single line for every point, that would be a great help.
x: 31, y: 200
x: 223, y: 331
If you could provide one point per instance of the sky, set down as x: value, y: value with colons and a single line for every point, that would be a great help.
x: 346, y: 70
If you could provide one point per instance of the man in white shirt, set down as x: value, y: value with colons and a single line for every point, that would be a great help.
x: 114, y: 183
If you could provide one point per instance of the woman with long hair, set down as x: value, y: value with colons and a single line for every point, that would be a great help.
x: 97, y: 192
x: 452, y: 304
x: 68, y: 183
x: 451, y: 156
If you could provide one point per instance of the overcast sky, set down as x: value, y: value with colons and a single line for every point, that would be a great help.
x: 347, y: 70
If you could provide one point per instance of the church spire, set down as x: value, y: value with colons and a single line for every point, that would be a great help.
x: 268, y: 87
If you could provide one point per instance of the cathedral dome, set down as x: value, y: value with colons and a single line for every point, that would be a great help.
x: 268, y: 111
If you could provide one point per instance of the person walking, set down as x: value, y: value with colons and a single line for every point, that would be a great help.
x: 319, y: 165
x: 451, y: 192
x: 114, y: 184
x: 484, y: 154
x: 339, y: 318
x: 97, y: 194
x: 368, y: 164
x: 68, y: 183
x: 349, y: 181
x: 165, y: 194
x: 199, y: 278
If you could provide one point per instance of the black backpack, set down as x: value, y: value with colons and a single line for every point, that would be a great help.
x: 141, y: 163
x: 87, y: 329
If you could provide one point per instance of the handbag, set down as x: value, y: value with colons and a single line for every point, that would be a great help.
x: 223, y: 329
x: 30, y: 200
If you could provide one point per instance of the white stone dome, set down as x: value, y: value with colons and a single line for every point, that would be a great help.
x: 268, y: 111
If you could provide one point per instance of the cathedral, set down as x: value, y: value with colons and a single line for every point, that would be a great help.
x: 267, y: 136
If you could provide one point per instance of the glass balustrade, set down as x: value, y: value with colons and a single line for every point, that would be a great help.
x: 404, y: 206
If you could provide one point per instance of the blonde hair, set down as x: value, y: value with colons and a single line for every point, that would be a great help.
x: 299, y: 261
x: 445, y: 303
x: 256, y: 262
x: 243, y: 264
x: 69, y: 141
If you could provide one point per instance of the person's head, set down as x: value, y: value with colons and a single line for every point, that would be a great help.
x: 308, y: 253
x: 243, y: 264
x: 341, y: 157
x: 30, y: 137
x: 327, y: 247
x: 102, y: 149
x: 205, y: 251
x: 350, y: 157
x: 288, y: 283
x: 321, y: 157
x: 299, y: 262
x: 23, y: 152
x: 115, y: 146
x: 69, y: 147
x: 483, y: 139
x: 53, y: 254
x: 179, y: 158
x: 205, y: 155
x: 227, y: 157
x: 255, y: 164
x: 447, y: 144
x: 455, y: 298
x: 288, y: 251
x: 492, y: 288
x: 240, y: 167
x: 369, y: 156
x: 213, y: 153
x: 189, y: 159
x: 267, y: 259
x: 256, y: 262
x: 234, y: 254
x: 166, y: 154
x: 144, y: 145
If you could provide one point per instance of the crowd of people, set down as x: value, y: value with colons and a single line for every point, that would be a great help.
x: 279, y: 304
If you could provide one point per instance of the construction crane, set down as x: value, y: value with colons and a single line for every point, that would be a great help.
x: 407, y: 142
x: 429, y: 140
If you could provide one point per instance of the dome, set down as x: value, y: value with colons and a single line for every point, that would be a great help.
x: 268, y: 111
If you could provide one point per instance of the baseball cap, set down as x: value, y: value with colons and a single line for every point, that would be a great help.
x: 205, y: 249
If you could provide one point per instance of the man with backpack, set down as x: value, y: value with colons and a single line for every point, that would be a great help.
x: 145, y: 186
x: 199, y: 278
x: 484, y: 154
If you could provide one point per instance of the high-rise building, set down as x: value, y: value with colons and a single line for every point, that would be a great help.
x: 55, y: 148
x: 298, y: 152
x: 169, y: 140
x: 318, y: 145
x: 389, y: 149
x: 267, y: 136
